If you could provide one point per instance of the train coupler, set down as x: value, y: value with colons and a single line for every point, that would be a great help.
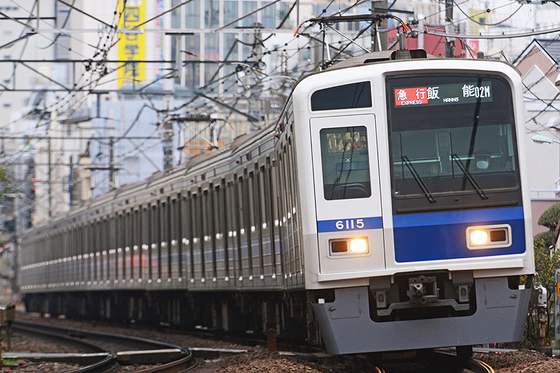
x: 422, y: 289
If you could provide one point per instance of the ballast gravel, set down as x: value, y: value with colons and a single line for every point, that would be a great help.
x: 255, y: 360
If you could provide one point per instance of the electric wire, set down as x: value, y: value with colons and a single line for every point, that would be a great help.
x: 95, y: 82
x: 472, y: 19
x: 59, y: 34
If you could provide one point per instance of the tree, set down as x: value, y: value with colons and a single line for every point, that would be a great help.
x: 6, y: 184
x: 547, y: 261
x: 6, y: 189
x: 549, y: 219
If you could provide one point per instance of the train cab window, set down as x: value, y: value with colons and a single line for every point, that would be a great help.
x: 452, y: 140
x: 344, y: 154
x: 348, y: 96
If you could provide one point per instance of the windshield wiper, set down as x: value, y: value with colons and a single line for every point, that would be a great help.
x: 418, y: 179
x: 469, y: 176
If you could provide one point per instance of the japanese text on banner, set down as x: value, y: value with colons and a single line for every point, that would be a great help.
x: 132, y: 45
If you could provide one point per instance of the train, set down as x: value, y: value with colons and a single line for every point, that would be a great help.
x: 386, y: 209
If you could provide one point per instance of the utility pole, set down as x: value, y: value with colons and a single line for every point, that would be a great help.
x: 169, y: 85
x: 254, y: 76
x: 168, y: 145
x: 379, y: 30
x: 49, y: 184
x: 112, y: 162
x: 449, y: 28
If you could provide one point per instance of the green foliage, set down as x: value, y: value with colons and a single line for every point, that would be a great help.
x: 545, y: 239
x: 546, y: 262
x: 6, y: 185
x: 550, y: 217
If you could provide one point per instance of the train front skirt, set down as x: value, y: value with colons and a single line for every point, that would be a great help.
x: 347, y: 327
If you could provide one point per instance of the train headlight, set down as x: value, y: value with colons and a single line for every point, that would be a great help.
x: 359, y: 245
x: 489, y: 236
x: 479, y: 237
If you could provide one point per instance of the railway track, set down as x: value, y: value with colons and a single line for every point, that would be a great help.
x: 116, y: 350
x: 108, y: 351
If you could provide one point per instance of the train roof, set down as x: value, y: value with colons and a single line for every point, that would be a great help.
x: 382, y: 56
x: 157, y: 178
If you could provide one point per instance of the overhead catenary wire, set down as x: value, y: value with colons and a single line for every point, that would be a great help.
x: 61, y: 102
x: 91, y: 81
x: 472, y: 19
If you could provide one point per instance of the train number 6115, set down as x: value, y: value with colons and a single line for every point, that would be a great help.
x: 350, y: 224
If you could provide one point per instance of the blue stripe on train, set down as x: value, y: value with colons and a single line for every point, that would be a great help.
x: 442, y: 235
x: 352, y: 224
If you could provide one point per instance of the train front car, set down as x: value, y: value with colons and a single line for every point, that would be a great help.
x: 416, y: 223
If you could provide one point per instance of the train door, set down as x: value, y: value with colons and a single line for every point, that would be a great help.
x: 347, y: 194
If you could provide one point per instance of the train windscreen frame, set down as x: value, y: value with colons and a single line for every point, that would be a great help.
x: 452, y: 142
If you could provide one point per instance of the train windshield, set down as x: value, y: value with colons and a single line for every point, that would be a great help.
x: 344, y: 153
x: 452, y: 140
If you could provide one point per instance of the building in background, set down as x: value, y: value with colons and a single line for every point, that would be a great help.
x: 539, y: 66
x: 98, y: 96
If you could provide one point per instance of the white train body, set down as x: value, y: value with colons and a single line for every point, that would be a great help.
x: 380, y: 150
x: 427, y: 118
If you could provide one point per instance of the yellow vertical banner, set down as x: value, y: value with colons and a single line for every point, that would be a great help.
x: 132, y: 44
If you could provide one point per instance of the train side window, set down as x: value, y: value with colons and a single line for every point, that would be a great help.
x: 102, y: 248
x: 93, y: 250
x: 205, y: 218
x: 344, y: 154
x: 128, y: 244
x: 176, y: 221
x: 347, y: 96
x: 213, y: 226
x: 223, y: 203
x: 158, y: 236
x: 135, y: 243
x: 241, y: 222
x: 119, y: 232
x: 153, y: 238
x: 145, y: 247
x: 107, y: 228
x: 249, y: 216
x: 192, y: 232
x: 84, y: 243
x: 122, y: 245
x: 259, y: 213
x: 165, y: 239
x: 275, y: 219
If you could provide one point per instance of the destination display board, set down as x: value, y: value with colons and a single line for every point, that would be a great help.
x: 444, y: 94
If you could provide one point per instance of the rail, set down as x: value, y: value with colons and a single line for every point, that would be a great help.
x: 170, y: 358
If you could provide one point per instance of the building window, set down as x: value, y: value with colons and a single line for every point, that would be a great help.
x: 192, y: 14
x: 231, y: 11
x: 192, y: 69
x: 248, y: 7
x: 176, y: 15
x: 211, y: 14
x: 268, y: 16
